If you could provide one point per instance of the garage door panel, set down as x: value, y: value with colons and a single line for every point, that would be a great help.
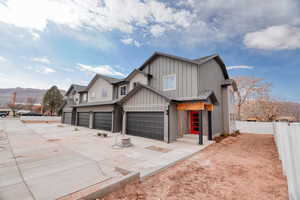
x: 67, y: 117
x: 103, y: 120
x: 84, y: 119
x: 146, y: 124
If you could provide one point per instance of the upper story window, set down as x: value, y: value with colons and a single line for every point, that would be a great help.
x: 92, y: 95
x: 134, y: 84
x: 104, y: 92
x: 123, y: 90
x: 169, y: 82
x: 83, y: 98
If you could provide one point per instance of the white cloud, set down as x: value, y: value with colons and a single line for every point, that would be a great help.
x: 127, y: 41
x: 188, y: 22
x: 136, y: 43
x: 240, y: 67
x: 41, y: 60
x: 47, y: 70
x: 2, y: 59
x: 157, y: 30
x: 131, y: 41
x: 274, y: 38
x: 102, y: 69
x: 35, y: 35
x: 105, y: 15
x: 40, y: 69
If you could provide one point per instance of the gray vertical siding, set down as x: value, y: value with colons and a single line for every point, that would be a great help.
x: 173, y: 122
x: 117, y: 115
x: 225, y: 103
x: 186, y: 76
x: 145, y: 100
x: 205, y: 123
x: 211, y: 77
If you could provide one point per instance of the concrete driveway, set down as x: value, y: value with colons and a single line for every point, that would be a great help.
x: 49, y: 161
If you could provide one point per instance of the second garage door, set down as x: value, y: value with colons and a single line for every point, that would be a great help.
x: 146, y: 124
x: 103, y: 120
x: 83, y: 119
x: 67, y: 117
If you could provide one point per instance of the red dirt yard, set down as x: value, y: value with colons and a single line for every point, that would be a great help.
x: 243, y: 167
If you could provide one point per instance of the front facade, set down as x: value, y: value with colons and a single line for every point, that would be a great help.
x: 166, y: 98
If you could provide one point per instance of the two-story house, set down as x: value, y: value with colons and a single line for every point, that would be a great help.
x: 166, y: 98
x: 71, y: 98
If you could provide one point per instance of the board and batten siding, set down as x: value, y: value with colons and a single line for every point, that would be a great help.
x: 186, y: 76
x: 138, y: 78
x: 210, y: 78
x: 145, y: 100
x: 97, y: 88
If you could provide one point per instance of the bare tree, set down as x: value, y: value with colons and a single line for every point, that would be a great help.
x: 15, y: 107
x: 250, y: 89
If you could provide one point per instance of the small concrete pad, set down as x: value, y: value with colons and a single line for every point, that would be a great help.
x: 14, y: 192
x: 61, y: 183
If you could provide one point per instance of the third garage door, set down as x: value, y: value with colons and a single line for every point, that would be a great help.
x: 67, y: 117
x: 83, y: 119
x: 146, y: 124
x: 103, y: 120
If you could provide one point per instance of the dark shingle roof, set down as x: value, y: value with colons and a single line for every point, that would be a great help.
x: 77, y: 88
x: 230, y: 82
x: 203, y: 95
x: 99, y: 103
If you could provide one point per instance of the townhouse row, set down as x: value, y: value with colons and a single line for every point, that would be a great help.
x: 166, y: 98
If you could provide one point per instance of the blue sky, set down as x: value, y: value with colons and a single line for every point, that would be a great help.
x: 51, y: 42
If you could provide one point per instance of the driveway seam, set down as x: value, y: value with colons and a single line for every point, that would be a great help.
x: 82, y: 155
x: 17, y: 165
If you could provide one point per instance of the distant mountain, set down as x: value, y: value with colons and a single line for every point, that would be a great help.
x: 22, y: 95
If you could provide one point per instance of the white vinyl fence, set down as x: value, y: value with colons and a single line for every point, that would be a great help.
x: 41, y: 118
x: 287, y: 138
x: 255, y: 127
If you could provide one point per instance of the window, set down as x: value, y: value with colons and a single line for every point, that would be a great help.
x: 134, y: 84
x: 169, y: 82
x: 93, y: 95
x: 84, y: 99
x: 104, y: 92
x: 123, y: 90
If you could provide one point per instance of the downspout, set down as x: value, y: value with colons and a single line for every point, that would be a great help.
x: 168, y: 113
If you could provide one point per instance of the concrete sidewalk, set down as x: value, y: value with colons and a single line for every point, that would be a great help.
x: 41, y: 170
x: 49, y: 161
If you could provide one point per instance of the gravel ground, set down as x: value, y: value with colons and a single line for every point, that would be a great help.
x: 243, y: 167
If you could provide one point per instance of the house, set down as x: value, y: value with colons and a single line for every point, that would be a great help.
x: 71, y: 99
x: 166, y: 98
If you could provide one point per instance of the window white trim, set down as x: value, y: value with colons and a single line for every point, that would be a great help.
x: 123, y: 86
x: 164, y: 83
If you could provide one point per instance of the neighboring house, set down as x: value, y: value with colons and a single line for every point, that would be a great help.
x: 166, y: 98
x: 71, y: 98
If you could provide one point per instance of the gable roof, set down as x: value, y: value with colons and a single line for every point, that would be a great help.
x: 107, y: 78
x: 77, y: 88
x: 134, y: 72
x: 140, y: 86
x: 230, y: 82
x: 96, y: 103
x: 203, y: 95
x: 198, y: 61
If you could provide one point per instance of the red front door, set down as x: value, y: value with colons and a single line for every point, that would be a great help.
x: 194, y: 122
